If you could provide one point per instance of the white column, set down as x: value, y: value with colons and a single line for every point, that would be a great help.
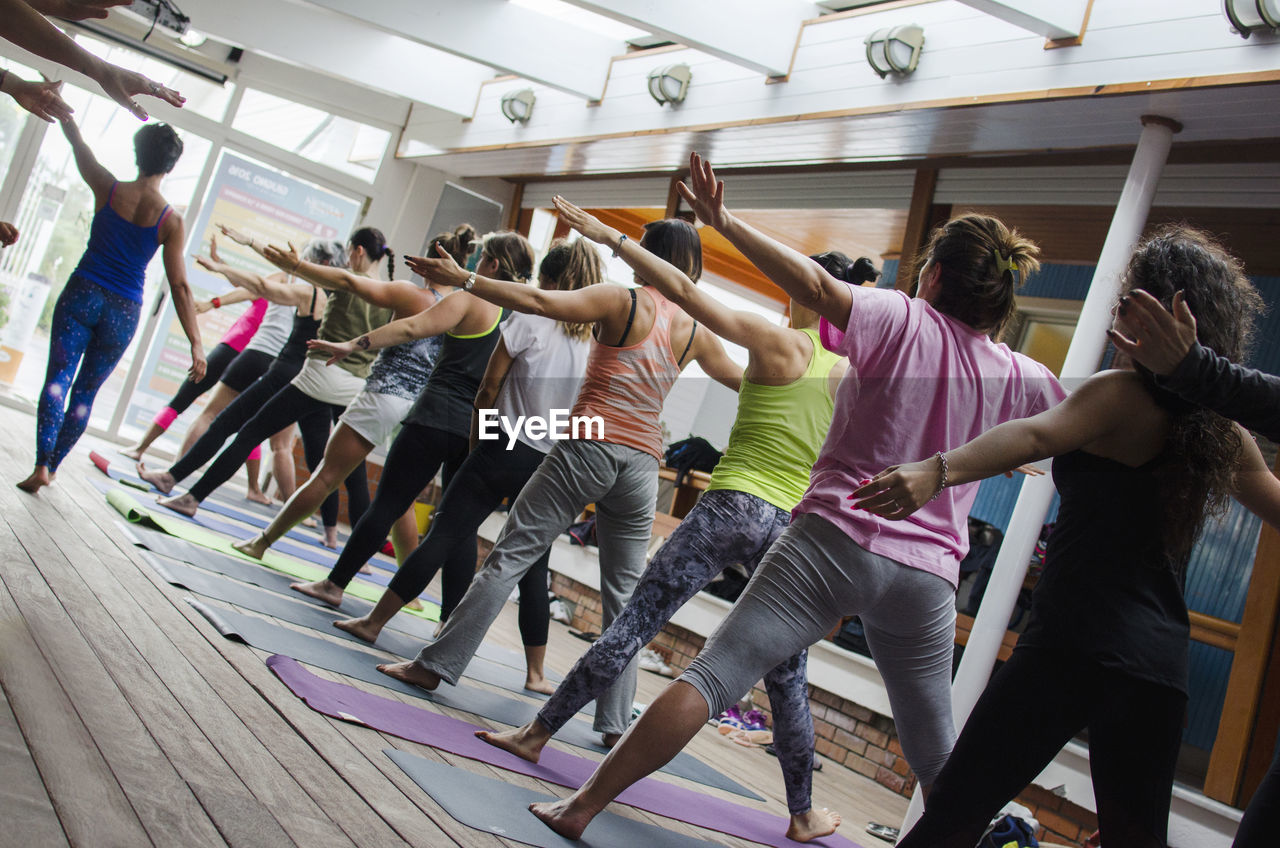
x: 1087, y: 346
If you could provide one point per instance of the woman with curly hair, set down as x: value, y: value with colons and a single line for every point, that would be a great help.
x: 1139, y: 471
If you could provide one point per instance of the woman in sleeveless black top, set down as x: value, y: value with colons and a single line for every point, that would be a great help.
x: 1106, y: 648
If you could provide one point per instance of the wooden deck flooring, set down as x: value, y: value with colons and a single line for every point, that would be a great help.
x: 127, y: 720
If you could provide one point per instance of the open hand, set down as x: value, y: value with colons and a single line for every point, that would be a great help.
x: 587, y: 224
x: 122, y: 86
x: 442, y: 270
x: 899, y: 490
x: 704, y: 193
x: 77, y: 10
x: 235, y: 235
x: 285, y: 260
x: 42, y: 99
x: 337, y: 351
x: 1157, y: 339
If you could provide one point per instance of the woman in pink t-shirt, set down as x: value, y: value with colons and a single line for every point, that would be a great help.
x: 924, y: 375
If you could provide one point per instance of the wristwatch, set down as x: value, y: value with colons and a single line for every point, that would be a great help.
x: 470, y: 283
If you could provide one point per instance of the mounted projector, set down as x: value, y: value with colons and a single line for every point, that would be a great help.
x: 161, y: 14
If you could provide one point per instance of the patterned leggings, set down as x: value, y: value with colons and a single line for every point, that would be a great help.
x: 726, y: 527
x: 92, y: 328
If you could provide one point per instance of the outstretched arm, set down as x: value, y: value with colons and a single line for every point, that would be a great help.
x: 710, y: 355
x: 742, y: 328
x: 176, y: 271
x: 389, y: 295
x: 1256, y: 488
x: 275, y: 288
x: 445, y: 315
x: 42, y: 99
x: 1099, y: 406
x: 581, y: 306
x: 76, y: 10
x: 793, y: 272
x: 236, y: 295
x: 98, y: 178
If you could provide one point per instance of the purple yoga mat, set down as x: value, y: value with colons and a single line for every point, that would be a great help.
x: 458, y: 737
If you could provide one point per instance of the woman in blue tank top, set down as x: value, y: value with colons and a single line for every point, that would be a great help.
x: 97, y: 313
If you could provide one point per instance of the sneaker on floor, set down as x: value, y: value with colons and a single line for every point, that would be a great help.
x: 754, y: 719
x: 651, y: 660
x: 730, y: 720
x: 558, y: 612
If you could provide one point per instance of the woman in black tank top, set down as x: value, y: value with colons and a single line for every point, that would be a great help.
x: 1106, y: 648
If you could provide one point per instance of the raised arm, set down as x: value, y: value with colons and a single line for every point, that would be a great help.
x: 444, y: 316
x: 42, y: 99
x: 98, y: 178
x: 76, y: 10
x: 793, y: 272
x: 176, y: 271
x: 27, y: 28
x: 274, y: 287
x: 1256, y: 488
x: 581, y: 306
x: 1102, y: 404
x: 710, y: 355
x: 742, y: 328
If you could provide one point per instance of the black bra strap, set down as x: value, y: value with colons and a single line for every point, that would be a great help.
x: 688, y: 345
x: 311, y: 310
x: 630, y: 319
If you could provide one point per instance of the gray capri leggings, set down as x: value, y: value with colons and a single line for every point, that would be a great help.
x: 811, y: 577
x: 623, y: 484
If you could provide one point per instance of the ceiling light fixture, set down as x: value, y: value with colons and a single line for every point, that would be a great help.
x: 517, y: 106
x: 669, y: 84
x: 895, y: 49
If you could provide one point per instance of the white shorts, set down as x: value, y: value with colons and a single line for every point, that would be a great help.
x: 328, y: 383
x: 375, y: 417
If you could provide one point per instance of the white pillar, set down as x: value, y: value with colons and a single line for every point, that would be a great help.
x: 1087, y: 346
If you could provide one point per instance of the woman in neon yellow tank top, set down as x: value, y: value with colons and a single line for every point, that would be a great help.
x: 784, y: 411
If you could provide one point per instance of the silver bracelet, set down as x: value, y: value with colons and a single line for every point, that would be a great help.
x: 470, y: 283
x: 942, y: 484
x: 621, y: 239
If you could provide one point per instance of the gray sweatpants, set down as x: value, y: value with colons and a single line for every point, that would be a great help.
x: 812, y: 577
x: 623, y: 484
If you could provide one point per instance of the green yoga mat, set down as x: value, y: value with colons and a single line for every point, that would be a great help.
x: 128, y: 506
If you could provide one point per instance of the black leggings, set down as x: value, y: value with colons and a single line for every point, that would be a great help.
x: 1261, y: 823
x: 489, y: 474
x: 1031, y: 708
x: 261, y: 411
x: 415, y: 456
x: 218, y: 360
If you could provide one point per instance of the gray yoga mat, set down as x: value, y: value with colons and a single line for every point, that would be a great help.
x: 359, y: 663
x: 319, y: 618
x: 502, y: 809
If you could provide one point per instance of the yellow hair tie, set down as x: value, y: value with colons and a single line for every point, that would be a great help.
x: 1003, y: 264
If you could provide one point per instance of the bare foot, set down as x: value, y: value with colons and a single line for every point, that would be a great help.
x: 37, y: 481
x: 135, y: 453
x: 525, y: 742
x: 366, y: 569
x: 321, y: 590
x: 813, y: 824
x: 185, y: 504
x: 411, y: 672
x: 564, y: 817
x: 255, y: 547
x: 361, y: 628
x: 538, y: 683
x: 416, y: 606
x: 258, y: 497
x: 162, y: 480
x: 609, y: 739
x: 331, y: 538
x: 308, y: 522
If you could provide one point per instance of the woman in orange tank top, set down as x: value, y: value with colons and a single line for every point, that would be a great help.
x: 641, y: 343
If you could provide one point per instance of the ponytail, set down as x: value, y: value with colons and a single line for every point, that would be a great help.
x: 569, y: 266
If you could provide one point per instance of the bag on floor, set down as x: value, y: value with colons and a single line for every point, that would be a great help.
x: 692, y: 454
x: 1009, y: 832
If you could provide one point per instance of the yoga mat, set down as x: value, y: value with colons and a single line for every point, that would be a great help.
x: 318, y: 618
x: 483, y: 803
x: 360, y: 664
x: 406, y: 721
x: 200, y: 540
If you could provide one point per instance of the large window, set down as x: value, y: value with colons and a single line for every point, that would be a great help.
x: 12, y: 116
x: 313, y: 134
x: 204, y: 97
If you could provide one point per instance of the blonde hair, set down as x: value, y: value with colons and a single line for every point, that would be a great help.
x: 569, y: 266
x: 512, y: 252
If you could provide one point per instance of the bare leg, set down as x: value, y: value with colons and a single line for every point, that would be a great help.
x: 344, y: 452
x: 135, y: 453
x: 534, y: 679
x: 404, y: 535
x: 39, y: 478
x: 282, y: 467
x: 368, y: 627
x: 661, y: 732
x: 219, y: 398
x: 253, y: 467
x: 321, y: 590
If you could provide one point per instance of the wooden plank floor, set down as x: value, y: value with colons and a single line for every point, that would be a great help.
x: 126, y: 720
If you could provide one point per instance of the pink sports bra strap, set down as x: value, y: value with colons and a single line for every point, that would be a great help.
x: 164, y: 213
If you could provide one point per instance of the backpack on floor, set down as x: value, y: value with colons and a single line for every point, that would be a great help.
x: 1009, y: 832
x: 692, y: 454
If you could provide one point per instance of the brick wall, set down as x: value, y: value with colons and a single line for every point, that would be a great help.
x: 847, y: 733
